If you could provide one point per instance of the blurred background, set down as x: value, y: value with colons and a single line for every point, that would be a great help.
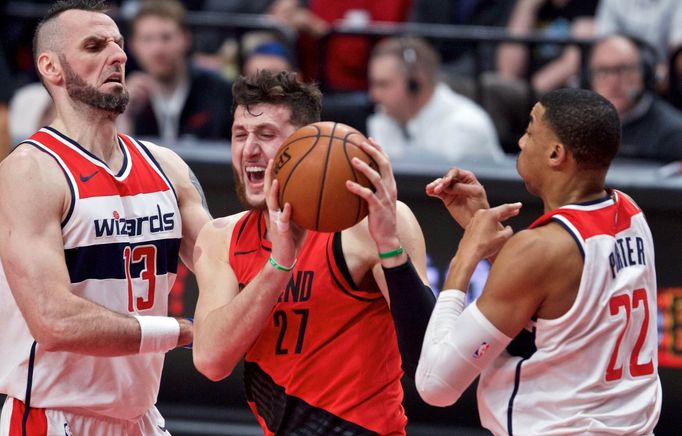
x: 436, y: 82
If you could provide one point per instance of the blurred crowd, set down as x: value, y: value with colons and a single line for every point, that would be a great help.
x: 434, y: 98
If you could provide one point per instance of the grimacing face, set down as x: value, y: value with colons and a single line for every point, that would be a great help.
x: 257, y: 134
x: 114, y: 101
x: 92, y: 60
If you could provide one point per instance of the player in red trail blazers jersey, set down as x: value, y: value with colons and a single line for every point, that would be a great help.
x: 92, y: 225
x: 309, y: 311
x: 576, y: 291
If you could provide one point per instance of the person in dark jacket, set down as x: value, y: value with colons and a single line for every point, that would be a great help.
x: 169, y: 97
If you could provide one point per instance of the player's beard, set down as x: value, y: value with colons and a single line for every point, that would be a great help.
x: 78, y: 90
x: 240, y: 189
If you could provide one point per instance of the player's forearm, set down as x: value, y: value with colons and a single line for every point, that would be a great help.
x: 86, y: 328
x: 459, y: 343
x: 462, y: 267
x: 224, y: 336
x: 411, y: 305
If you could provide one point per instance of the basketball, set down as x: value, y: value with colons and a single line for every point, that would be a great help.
x: 312, y: 167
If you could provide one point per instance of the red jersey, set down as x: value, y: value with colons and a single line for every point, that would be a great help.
x: 327, y: 360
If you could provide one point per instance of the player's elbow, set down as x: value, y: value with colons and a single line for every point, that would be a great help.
x: 211, y: 367
x: 433, y: 390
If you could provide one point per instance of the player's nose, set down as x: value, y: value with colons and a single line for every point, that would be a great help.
x: 118, y: 55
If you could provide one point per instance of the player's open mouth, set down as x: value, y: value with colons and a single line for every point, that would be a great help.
x: 255, y: 174
x: 116, y: 78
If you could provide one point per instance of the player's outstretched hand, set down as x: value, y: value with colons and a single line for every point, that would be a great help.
x: 285, y: 235
x: 485, y: 235
x: 461, y: 193
x: 381, y: 201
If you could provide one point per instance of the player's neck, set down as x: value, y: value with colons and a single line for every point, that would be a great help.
x: 575, y: 191
x: 95, y: 133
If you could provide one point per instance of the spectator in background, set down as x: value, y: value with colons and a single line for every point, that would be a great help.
x: 5, y: 95
x: 345, y: 58
x: 659, y: 23
x: 171, y: 98
x: 551, y: 67
x: 458, y: 58
x: 519, y: 77
x: 417, y: 114
x: 271, y: 56
x: 674, y: 88
x: 622, y: 71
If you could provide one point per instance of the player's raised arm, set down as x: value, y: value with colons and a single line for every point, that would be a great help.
x: 400, y: 262
x: 226, y: 315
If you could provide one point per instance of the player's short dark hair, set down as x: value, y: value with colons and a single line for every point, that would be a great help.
x: 62, y: 6
x: 586, y: 123
x: 282, y: 88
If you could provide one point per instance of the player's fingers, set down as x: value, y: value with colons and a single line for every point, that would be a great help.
x: 362, y: 192
x: 505, y: 211
x: 465, y: 189
x: 271, y: 188
x: 373, y: 149
x: 506, y: 233
x: 372, y: 175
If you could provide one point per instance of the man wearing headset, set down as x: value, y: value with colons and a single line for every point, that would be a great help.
x: 419, y: 116
x: 622, y: 71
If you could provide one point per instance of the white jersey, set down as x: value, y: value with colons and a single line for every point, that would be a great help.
x: 121, y: 245
x: 594, y: 369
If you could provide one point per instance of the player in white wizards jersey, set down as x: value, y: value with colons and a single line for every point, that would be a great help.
x: 92, y: 224
x: 576, y: 291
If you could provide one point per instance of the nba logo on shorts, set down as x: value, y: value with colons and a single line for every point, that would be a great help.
x: 67, y: 429
x: 480, y: 351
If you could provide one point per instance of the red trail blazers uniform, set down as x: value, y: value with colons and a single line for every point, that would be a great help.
x: 327, y: 361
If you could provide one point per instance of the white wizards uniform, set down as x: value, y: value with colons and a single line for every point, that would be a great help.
x: 594, y: 369
x: 121, y: 244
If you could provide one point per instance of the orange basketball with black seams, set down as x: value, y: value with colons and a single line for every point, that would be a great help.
x: 312, y: 167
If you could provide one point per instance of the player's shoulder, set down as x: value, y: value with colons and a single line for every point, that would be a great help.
x: 27, y: 164
x: 29, y: 176
x: 164, y: 155
x: 219, y: 230
x: 540, y: 246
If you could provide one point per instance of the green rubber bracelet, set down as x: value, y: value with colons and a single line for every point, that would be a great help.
x: 274, y: 263
x: 393, y: 253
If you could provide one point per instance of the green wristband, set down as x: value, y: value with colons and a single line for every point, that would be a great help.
x: 393, y: 253
x: 274, y: 263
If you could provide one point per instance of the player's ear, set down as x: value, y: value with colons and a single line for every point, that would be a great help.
x: 49, y: 67
x: 558, y: 154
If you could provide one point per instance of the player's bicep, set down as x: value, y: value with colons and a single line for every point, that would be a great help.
x: 216, y: 280
x: 191, y: 199
x: 513, y: 291
x: 31, y: 243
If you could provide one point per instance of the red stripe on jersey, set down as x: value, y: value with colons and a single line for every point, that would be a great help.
x: 93, y: 180
x: 36, y: 425
x: 608, y: 220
